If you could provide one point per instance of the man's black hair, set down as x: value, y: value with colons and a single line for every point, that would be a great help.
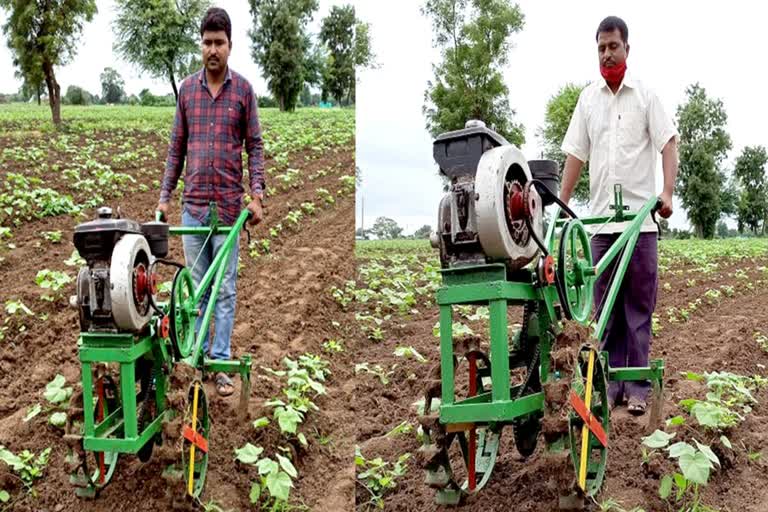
x: 216, y: 19
x: 612, y: 23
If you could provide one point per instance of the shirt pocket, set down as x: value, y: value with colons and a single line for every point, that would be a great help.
x: 633, y: 129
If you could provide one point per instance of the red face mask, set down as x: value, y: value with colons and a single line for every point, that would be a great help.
x: 615, y: 74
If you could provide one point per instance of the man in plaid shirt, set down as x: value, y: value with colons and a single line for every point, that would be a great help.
x: 215, y: 113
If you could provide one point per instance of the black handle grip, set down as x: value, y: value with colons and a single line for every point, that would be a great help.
x: 656, y: 208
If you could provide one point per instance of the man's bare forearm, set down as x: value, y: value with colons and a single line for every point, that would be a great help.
x: 669, y: 165
x: 571, y: 173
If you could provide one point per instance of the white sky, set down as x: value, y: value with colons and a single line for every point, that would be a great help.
x: 95, y: 52
x: 672, y: 44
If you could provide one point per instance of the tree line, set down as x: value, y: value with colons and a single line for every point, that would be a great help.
x: 385, y: 228
x: 474, y: 38
x: 161, y: 38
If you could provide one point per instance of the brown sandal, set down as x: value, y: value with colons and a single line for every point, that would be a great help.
x: 224, y: 385
x: 636, y: 406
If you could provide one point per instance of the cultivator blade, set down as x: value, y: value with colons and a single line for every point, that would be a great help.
x: 657, y: 406
x: 486, y: 458
x: 574, y: 501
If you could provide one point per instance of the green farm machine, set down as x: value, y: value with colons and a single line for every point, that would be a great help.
x: 142, y: 360
x: 498, y: 250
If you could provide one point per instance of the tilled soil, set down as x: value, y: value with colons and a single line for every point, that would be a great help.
x: 284, y: 309
x: 718, y: 336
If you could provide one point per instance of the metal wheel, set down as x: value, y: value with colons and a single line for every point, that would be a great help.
x: 182, y: 319
x: 596, y: 453
x: 90, y: 471
x: 146, y: 406
x: 195, y: 435
x: 526, y: 430
x: 458, y: 459
x: 574, y: 256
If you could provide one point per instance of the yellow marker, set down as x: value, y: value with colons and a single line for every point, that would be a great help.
x: 585, y: 428
x: 192, y: 447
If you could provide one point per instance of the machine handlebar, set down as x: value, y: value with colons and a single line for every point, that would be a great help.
x: 656, y: 208
x: 160, y: 217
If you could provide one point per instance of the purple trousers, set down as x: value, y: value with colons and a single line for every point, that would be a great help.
x: 627, y: 336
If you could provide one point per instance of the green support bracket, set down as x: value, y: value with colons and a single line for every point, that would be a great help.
x: 654, y: 372
x: 496, y: 410
x: 499, y: 350
x: 516, y: 293
x: 446, y: 353
x: 618, y: 204
x: 474, y: 274
x: 128, y: 444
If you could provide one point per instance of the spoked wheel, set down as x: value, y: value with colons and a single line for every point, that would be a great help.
x: 182, y: 321
x: 146, y: 407
x: 458, y: 458
x: 526, y: 429
x: 574, y: 286
x: 588, y: 440
x: 90, y: 471
x: 195, y: 435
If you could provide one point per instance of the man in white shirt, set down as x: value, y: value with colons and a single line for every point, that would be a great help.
x: 620, y: 127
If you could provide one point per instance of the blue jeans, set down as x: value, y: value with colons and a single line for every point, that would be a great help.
x: 224, y: 313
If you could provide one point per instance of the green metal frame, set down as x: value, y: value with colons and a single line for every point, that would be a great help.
x: 488, y: 284
x: 119, y: 431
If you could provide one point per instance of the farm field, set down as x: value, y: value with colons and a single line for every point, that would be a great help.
x: 710, y: 317
x: 286, y: 317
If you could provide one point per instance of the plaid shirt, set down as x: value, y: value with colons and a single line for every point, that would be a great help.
x: 209, y: 133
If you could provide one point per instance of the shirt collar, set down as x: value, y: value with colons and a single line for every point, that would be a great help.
x: 204, y: 80
x: 628, y: 81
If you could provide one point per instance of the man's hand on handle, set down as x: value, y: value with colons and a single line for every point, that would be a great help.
x: 666, y: 205
x: 163, y: 209
x: 257, y: 213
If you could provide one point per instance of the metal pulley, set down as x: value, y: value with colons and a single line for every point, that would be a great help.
x: 130, y: 284
x: 507, y: 207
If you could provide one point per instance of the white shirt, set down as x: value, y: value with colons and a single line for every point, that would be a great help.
x: 620, y: 136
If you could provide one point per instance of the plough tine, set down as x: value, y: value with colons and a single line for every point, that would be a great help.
x: 657, y: 406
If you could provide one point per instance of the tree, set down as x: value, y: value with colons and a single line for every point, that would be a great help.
x: 314, y: 61
x: 348, y: 43
x: 729, y: 195
x: 148, y: 99
x: 753, y: 201
x: 423, y: 232
x: 112, y: 85
x: 362, y: 233
x: 160, y: 37
x: 279, y: 44
x: 722, y: 229
x: 31, y: 88
x: 192, y: 65
x: 385, y: 228
x: 558, y: 115
x: 42, y: 34
x: 362, y: 49
x: 337, y: 34
x: 77, y: 96
x: 474, y: 38
x: 703, y: 146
